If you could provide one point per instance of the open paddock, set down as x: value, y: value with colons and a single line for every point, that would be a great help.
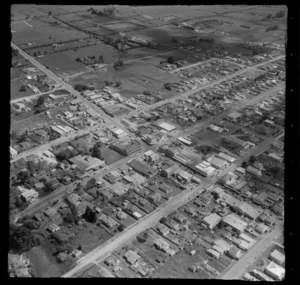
x: 28, y: 10
x: 45, y: 35
x: 123, y: 27
x: 62, y: 63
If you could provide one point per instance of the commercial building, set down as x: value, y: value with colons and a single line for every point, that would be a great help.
x: 126, y: 149
x: 167, y: 127
x: 218, y: 163
x: 235, y: 141
x: 118, y: 133
x: 211, y: 221
x: 277, y: 256
x: 235, y: 223
x: 142, y: 168
x: 185, y: 141
x: 226, y: 157
x: 86, y: 163
x: 275, y: 271
x: 246, y: 209
x: 254, y: 171
x: 204, y: 168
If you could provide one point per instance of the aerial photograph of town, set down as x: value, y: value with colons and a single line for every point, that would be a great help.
x: 147, y: 141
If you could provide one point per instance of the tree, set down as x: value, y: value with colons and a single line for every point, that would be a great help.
x: 31, y: 167
x: 23, y: 176
x: 74, y: 212
x: 244, y: 164
x: 90, y: 215
x: 170, y: 60
x: 146, y: 92
x: 280, y: 14
x: 100, y: 59
x: 90, y: 184
x: 49, y: 13
x: 118, y: 63
x: 22, y: 88
x: 21, y: 238
x: 48, y: 187
x: 174, y: 40
x: 40, y: 101
x: 252, y: 159
x: 118, y: 83
x: 35, y: 54
x: 68, y: 218
x: 275, y: 170
x: 163, y: 220
x: 121, y: 228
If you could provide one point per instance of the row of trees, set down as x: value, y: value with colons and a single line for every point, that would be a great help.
x: 82, y: 87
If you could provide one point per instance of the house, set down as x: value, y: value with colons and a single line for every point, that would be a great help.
x: 277, y: 256
x: 180, y: 218
x: 235, y: 223
x: 112, y: 261
x: 121, y: 215
x: 132, y: 257
x: 234, y: 253
x: 137, y: 215
x: 155, y: 197
x: 213, y: 253
x: 275, y: 271
x: 29, y: 195
x: 162, y: 245
x: 13, y: 152
x: 261, y: 228
x: 108, y: 221
x: 211, y: 221
x: 86, y: 163
x: 74, y: 199
x: 50, y: 212
x: 191, y: 210
x: 162, y: 229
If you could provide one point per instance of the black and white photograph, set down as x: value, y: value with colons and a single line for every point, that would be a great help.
x: 147, y: 141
